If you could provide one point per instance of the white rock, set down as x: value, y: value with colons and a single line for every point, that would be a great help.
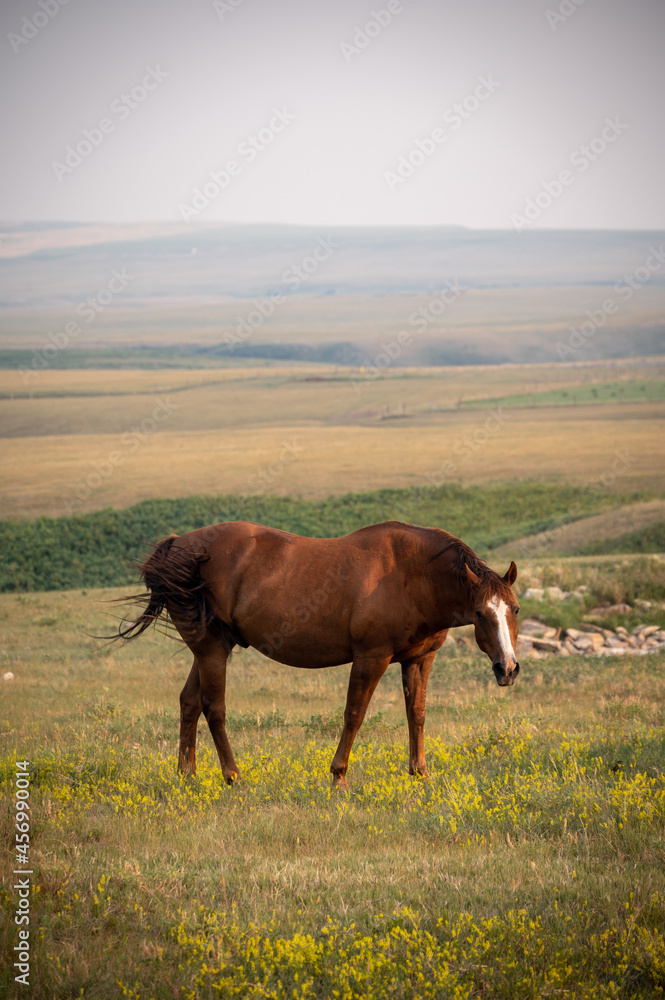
x: 8, y: 676
x: 531, y: 626
x: 599, y: 629
x: 557, y: 594
x: 547, y: 644
x: 612, y: 609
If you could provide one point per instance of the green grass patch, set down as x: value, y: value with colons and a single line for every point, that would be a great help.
x: 95, y: 549
x: 649, y: 539
x: 602, y: 392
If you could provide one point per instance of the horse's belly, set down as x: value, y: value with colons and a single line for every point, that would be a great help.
x: 301, y: 649
x: 296, y: 658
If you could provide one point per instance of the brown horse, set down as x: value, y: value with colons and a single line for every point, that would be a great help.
x: 385, y: 593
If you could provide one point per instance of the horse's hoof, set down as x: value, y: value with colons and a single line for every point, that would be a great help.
x: 232, y: 778
x: 340, y: 784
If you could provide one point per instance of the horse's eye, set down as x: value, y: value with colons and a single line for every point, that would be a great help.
x: 479, y: 615
x: 516, y: 609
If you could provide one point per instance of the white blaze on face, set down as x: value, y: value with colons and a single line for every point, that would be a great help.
x: 500, y: 608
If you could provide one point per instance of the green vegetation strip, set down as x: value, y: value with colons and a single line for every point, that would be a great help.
x: 95, y: 549
x: 607, y: 392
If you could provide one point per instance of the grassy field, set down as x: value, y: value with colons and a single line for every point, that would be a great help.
x: 312, y: 432
x: 530, y: 865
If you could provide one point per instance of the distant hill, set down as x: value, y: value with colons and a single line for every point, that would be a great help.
x: 183, y: 292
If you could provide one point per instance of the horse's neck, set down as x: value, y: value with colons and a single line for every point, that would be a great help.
x: 450, y: 599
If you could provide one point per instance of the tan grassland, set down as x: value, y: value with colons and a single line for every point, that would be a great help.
x: 309, y: 432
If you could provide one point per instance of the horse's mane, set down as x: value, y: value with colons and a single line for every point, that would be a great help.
x: 463, y: 555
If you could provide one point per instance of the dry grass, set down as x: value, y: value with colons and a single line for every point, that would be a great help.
x: 420, y: 386
x: 529, y: 866
x: 39, y: 473
x: 222, y: 428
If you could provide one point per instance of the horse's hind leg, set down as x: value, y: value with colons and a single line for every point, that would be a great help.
x: 211, y: 659
x: 190, y: 710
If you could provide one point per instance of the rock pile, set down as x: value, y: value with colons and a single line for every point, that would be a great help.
x: 537, y: 640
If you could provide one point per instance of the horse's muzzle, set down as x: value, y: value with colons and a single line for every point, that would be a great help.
x: 505, y: 678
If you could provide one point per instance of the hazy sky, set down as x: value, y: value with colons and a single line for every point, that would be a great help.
x: 544, y: 86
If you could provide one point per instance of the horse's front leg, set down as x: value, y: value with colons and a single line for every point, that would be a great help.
x: 415, y: 673
x: 366, y: 672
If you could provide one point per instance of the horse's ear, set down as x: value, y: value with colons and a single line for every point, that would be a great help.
x: 511, y: 575
x: 471, y: 575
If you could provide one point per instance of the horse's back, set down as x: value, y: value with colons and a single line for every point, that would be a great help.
x: 377, y: 538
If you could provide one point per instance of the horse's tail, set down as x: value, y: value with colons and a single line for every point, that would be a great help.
x: 172, y: 576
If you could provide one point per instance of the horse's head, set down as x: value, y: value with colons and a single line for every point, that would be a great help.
x: 494, y: 612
